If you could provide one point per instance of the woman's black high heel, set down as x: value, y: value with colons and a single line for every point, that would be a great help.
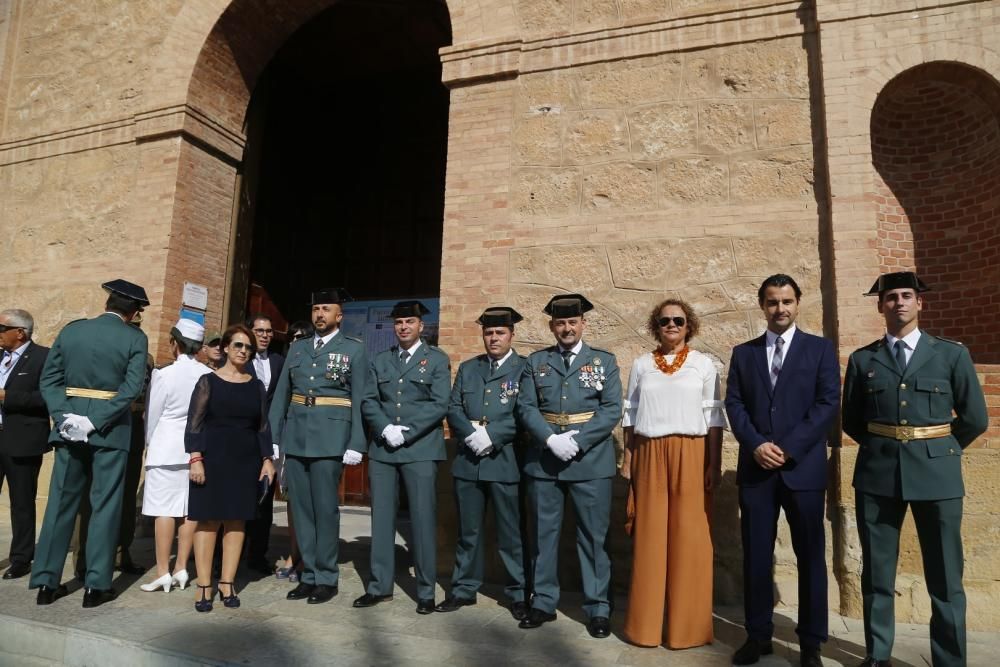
x: 232, y: 600
x: 204, y: 604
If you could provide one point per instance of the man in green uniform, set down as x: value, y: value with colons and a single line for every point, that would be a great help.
x: 94, y: 372
x: 481, y: 416
x: 316, y: 420
x: 407, y: 400
x: 912, y: 402
x: 570, y: 401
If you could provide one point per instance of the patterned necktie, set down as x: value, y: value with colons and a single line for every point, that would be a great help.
x: 901, y: 355
x: 319, y: 343
x: 494, y: 366
x: 404, y: 356
x: 567, y: 355
x: 779, y: 346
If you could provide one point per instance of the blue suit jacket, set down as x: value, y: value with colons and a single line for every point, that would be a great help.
x: 795, y: 414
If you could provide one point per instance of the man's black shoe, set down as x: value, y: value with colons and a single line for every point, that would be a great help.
x: 599, y: 627
x: 322, y: 593
x: 48, y: 595
x: 535, y: 618
x: 452, y: 603
x: 872, y: 662
x: 95, y: 597
x: 751, y: 651
x: 17, y: 570
x: 301, y: 592
x: 519, y: 610
x: 809, y: 656
x: 127, y: 566
x: 425, y: 606
x: 369, y: 600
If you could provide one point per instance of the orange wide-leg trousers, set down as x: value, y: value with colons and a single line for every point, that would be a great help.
x: 670, y: 595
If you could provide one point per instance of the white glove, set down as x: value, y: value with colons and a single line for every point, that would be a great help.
x: 563, y: 445
x: 75, y: 428
x: 393, y: 435
x: 275, y: 452
x: 479, y: 441
x: 352, y: 458
x: 85, y: 425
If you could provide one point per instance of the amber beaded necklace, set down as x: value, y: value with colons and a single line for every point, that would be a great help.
x: 673, y: 367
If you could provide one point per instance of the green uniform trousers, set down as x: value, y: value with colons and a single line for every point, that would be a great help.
x: 592, y: 505
x: 74, y: 463
x: 420, y: 479
x: 313, y: 485
x: 471, y: 498
x: 939, y: 524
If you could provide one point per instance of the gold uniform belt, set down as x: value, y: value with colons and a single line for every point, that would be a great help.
x: 564, y: 419
x: 100, y: 394
x: 906, y: 433
x: 310, y: 401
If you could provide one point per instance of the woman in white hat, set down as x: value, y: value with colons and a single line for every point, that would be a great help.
x: 166, y: 492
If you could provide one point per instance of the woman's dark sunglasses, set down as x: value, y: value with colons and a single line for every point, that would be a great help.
x: 678, y: 321
x: 241, y: 346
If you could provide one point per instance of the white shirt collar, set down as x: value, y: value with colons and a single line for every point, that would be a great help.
x: 262, y: 356
x: 787, y: 336
x: 910, y: 339
x: 17, y: 352
x: 412, y: 350
x: 575, y: 349
x: 505, y: 357
x: 326, y: 338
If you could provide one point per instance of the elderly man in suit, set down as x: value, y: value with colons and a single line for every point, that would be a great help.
x: 781, y: 398
x: 95, y: 370
x: 912, y: 402
x: 266, y: 367
x: 407, y: 400
x: 481, y: 416
x: 316, y: 420
x: 24, y: 430
x: 570, y: 400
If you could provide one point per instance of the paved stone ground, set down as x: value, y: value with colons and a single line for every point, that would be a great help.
x: 163, y: 629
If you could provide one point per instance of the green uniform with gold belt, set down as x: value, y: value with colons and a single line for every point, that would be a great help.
x: 103, y: 360
x: 315, y: 417
x: 898, y: 468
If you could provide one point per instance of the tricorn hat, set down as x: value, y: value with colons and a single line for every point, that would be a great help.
x: 567, y: 305
x: 897, y: 280
x: 128, y: 290
x: 409, y: 309
x: 499, y: 316
x: 330, y: 295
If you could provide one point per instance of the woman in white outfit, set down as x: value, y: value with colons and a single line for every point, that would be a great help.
x: 165, y: 496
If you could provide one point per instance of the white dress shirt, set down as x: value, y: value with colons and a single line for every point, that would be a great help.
x: 326, y: 339
x: 412, y: 350
x: 262, y: 368
x: 771, y: 338
x: 501, y: 360
x: 170, y: 390
x: 909, y: 343
x: 7, y: 363
x: 575, y: 350
x: 687, y: 402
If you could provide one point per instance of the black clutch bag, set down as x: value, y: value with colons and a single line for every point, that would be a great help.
x: 263, y: 485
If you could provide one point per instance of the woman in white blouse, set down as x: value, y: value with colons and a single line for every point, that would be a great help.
x: 673, y: 455
x: 165, y: 495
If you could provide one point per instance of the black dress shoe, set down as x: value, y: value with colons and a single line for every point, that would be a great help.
x: 369, y: 600
x: 301, y: 592
x: 809, y: 656
x: 322, y: 593
x: 519, y: 610
x: 872, y: 662
x: 48, y: 595
x: 599, y: 627
x: 425, y: 606
x: 95, y: 597
x: 751, y: 651
x: 128, y: 567
x: 452, y: 603
x: 17, y: 570
x: 535, y: 618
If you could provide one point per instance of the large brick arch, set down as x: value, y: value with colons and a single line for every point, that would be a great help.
x: 935, y: 139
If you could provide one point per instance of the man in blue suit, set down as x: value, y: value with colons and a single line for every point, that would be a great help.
x: 782, y: 395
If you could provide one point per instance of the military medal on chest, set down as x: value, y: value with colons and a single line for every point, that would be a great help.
x: 592, y: 375
x: 423, y: 366
x: 508, y: 390
x: 338, y: 366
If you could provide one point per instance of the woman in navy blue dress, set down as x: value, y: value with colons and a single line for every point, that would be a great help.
x: 229, y: 440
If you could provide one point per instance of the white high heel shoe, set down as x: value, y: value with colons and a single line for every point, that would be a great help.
x: 180, y: 579
x: 162, y: 582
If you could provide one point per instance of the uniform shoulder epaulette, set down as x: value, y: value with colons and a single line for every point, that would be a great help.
x: 354, y: 338
x: 79, y: 319
x: 949, y: 340
x: 601, y: 349
x: 875, y: 343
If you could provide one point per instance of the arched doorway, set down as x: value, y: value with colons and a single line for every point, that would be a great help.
x: 935, y: 133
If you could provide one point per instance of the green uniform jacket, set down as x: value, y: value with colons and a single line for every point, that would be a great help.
x: 939, y: 378
x: 338, y: 369
x: 592, y: 384
x: 479, y: 396
x: 415, y: 395
x: 104, y: 353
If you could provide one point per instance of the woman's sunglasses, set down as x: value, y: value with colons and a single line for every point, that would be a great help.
x: 678, y: 321
x: 241, y: 346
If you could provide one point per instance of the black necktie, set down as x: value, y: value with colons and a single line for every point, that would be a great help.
x: 404, y: 356
x: 901, y: 355
x: 319, y: 343
x: 567, y: 355
x: 494, y: 365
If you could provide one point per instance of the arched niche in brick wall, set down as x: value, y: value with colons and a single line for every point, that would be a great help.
x: 935, y: 139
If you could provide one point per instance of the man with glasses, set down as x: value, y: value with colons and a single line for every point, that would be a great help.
x: 24, y: 431
x: 266, y: 367
x: 94, y: 372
